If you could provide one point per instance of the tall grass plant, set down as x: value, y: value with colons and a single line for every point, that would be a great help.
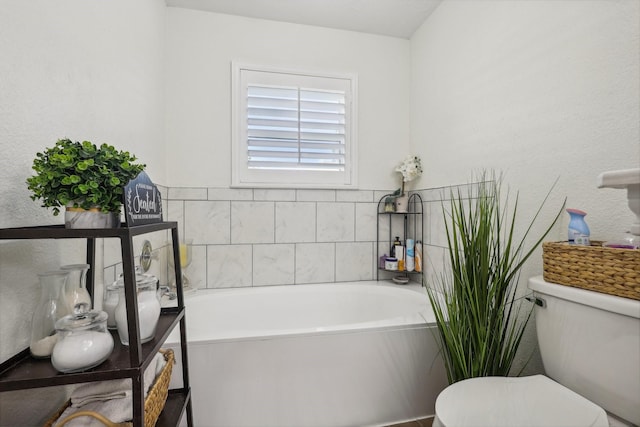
x: 480, y: 320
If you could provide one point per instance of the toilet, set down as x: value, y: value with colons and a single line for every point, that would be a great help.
x: 590, y: 348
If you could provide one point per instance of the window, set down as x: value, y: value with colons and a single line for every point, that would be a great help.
x: 293, y: 129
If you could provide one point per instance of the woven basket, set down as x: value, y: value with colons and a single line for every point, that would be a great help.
x: 153, y: 404
x: 596, y: 268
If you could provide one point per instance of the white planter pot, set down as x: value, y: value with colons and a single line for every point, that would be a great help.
x: 402, y: 203
x: 92, y: 218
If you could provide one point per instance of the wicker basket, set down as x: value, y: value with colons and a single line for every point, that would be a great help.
x: 596, y: 268
x: 153, y: 404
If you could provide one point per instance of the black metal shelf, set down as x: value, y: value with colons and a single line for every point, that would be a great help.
x: 400, y: 271
x: 413, y: 217
x: 177, y: 401
x: 60, y: 232
x: 22, y: 371
x: 25, y: 371
x: 399, y: 213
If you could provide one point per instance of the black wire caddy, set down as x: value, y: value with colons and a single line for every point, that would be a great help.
x: 403, y: 225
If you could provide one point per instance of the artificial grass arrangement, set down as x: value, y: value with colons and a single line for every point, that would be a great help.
x: 480, y: 320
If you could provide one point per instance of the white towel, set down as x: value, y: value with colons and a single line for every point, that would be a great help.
x: 101, y: 390
x: 109, y: 398
x: 115, y: 410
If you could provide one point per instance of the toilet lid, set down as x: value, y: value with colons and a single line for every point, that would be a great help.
x: 534, y: 401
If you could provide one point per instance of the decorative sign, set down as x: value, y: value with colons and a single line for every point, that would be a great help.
x: 143, y: 203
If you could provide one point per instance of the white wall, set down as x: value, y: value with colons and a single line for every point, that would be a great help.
x: 200, y: 48
x: 537, y: 89
x: 76, y: 69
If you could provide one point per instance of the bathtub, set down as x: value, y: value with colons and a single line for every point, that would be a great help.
x: 347, y: 354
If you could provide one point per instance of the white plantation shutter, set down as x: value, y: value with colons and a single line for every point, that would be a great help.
x: 293, y: 129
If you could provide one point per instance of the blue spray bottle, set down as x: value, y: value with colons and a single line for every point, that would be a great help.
x: 578, y: 228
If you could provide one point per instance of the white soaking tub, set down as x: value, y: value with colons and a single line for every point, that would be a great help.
x: 326, y: 355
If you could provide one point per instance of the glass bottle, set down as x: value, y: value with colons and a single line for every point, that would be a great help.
x: 114, y: 292
x: 148, y: 310
x: 83, y: 340
x: 112, y: 295
x: 75, y: 291
x: 185, y: 259
x: 48, y: 311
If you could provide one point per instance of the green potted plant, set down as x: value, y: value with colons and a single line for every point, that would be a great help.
x: 85, y: 179
x: 480, y: 320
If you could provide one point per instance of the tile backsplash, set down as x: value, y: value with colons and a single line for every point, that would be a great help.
x: 258, y: 237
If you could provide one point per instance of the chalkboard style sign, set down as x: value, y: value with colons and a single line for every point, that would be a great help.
x: 142, y: 201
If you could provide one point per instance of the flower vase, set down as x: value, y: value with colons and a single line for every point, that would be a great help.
x: 185, y: 260
x: 47, y: 312
x: 402, y: 203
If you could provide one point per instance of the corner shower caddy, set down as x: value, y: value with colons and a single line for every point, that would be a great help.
x: 411, y: 228
x: 22, y: 371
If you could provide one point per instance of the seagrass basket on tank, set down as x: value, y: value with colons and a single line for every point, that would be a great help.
x: 153, y: 403
x: 610, y: 271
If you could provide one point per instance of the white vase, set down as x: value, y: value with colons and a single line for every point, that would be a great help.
x: 402, y: 203
x: 92, y: 218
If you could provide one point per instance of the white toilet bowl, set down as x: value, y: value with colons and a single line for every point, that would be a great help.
x: 534, y: 401
x: 590, y: 345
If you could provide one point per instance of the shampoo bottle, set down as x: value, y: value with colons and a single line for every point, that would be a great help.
x: 410, y: 261
x: 394, y: 245
x: 418, y: 258
x: 400, y: 254
x: 383, y: 258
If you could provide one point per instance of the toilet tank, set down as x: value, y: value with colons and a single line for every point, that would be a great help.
x: 590, y: 343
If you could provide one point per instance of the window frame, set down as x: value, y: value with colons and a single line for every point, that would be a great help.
x: 244, y: 177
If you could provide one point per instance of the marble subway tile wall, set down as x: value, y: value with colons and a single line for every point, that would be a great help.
x: 435, y: 236
x: 261, y: 237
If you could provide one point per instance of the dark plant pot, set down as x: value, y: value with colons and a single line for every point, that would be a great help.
x: 92, y: 218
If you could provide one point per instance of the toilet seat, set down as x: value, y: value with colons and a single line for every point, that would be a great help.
x: 534, y: 401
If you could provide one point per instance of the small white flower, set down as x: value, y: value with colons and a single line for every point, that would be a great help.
x: 410, y: 168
